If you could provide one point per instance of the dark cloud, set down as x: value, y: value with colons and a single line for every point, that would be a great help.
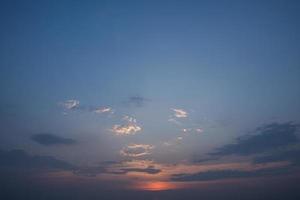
x: 51, y: 139
x: 196, y: 159
x: 148, y: 170
x: 292, y: 155
x: 227, y: 174
x: 267, y: 137
x: 21, y: 160
x: 137, y: 101
x: 91, y: 171
x: 114, y: 168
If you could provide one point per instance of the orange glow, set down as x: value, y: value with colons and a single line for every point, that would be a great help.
x: 157, y: 186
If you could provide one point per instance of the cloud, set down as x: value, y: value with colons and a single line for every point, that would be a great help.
x: 73, y: 104
x: 118, y: 168
x: 227, y: 174
x: 103, y: 110
x: 291, y: 155
x: 267, y: 137
x: 129, y: 128
x: 205, y: 159
x: 20, y: 159
x: 172, y: 120
x: 48, y: 139
x: 136, y: 150
x: 70, y: 104
x: 147, y: 170
x: 90, y: 171
x: 140, y: 166
x: 173, y: 141
x: 180, y: 113
x: 186, y: 130
x: 137, y: 101
x: 197, y: 130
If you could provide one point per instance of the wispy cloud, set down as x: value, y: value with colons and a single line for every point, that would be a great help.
x: 130, y: 127
x: 136, y: 150
x: 103, y: 110
x: 70, y: 104
x: 197, y: 130
x: 172, y: 120
x: 48, y: 139
x: 73, y: 104
x: 137, y: 100
x: 180, y: 113
x: 173, y: 141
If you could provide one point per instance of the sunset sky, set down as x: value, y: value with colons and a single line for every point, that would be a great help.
x: 150, y: 99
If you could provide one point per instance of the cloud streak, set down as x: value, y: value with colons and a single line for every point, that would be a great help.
x: 227, y: 174
x: 147, y: 170
x: 267, y: 137
x: 291, y: 155
x: 197, y: 130
x: 103, y: 110
x: 70, y: 104
x: 119, y: 168
x: 73, y: 104
x: 48, y: 139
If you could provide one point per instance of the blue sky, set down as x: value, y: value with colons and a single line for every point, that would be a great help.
x: 150, y: 83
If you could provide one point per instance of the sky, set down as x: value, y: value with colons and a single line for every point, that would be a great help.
x: 166, y: 99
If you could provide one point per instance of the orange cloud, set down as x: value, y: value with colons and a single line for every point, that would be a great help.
x: 130, y: 128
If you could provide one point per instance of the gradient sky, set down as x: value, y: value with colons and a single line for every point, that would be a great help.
x: 150, y: 95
